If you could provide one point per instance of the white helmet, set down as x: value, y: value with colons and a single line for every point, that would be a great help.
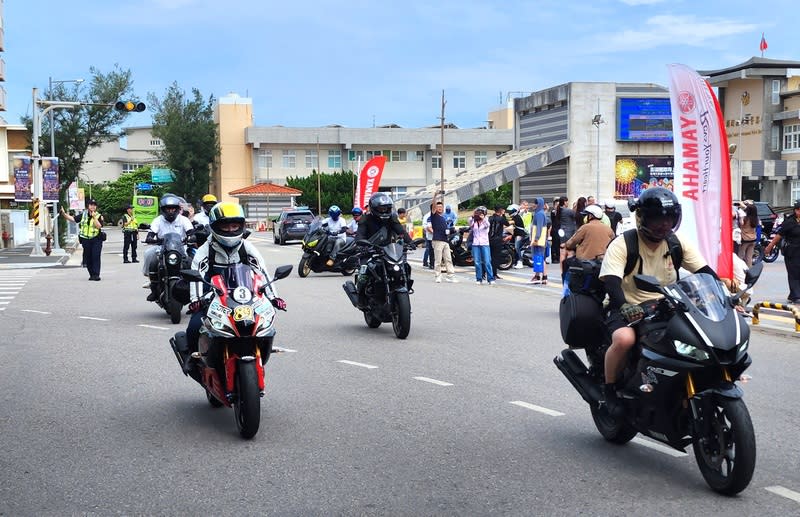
x: 512, y: 209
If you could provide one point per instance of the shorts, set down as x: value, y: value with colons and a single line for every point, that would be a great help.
x: 615, y: 321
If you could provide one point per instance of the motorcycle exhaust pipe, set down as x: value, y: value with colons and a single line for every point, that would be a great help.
x: 352, y: 293
x: 578, y: 375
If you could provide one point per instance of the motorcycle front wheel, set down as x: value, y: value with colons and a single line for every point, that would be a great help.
x: 175, y: 311
x: 304, y: 268
x: 372, y: 321
x: 401, y: 315
x: 727, y: 455
x: 247, y: 407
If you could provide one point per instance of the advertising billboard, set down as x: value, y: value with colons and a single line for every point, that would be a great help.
x: 644, y: 120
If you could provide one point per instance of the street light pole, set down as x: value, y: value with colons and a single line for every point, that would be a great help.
x: 596, y: 121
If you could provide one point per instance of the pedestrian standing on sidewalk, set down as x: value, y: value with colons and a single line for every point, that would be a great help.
x: 479, y: 233
x: 427, y: 257
x: 90, y: 223
x: 441, y: 248
x: 789, y: 233
x: 130, y: 234
x: 538, y: 242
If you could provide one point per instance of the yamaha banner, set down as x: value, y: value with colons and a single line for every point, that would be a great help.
x: 369, y: 180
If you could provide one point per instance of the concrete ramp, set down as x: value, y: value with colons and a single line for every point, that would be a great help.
x: 470, y: 183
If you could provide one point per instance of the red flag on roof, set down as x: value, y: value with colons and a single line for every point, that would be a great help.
x: 763, y: 45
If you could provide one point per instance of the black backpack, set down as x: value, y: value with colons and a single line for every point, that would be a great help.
x: 632, y: 245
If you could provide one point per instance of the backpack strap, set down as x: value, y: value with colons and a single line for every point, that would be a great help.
x: 632, y: 245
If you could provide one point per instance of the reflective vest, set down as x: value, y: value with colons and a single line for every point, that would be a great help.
x: 129, y: 223
x: 87, y: 228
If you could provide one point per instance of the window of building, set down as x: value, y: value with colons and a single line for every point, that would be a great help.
x: 312, y: 160
x: 436, y: 161
x: 373, y: 154
x: 289, y: 159
x: 130, y: 167
x: 416, y: 156
x: 155, y: 142
x: 459, y: 160
x: 355, y: 156
x: 264, y: 158
x: 794, y: 190
x: 791, y: 138
x: 398, y: 192
x: 334, y: 159
x: 480, y: 158
x: 775, y: 137
x: 397, y: 156
x: 776, y: 90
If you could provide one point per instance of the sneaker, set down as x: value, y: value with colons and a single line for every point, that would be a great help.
x: 151, y: 297
x: 479, y: 282
x: 492, y: 282
x: 547, y: 260
x: 438, y: 280
x: 126, y: 261
x: 452, y: 279
x: 518, y: 265
x: 535, y: 280
x: 135, y: 261
x: 146, y: 285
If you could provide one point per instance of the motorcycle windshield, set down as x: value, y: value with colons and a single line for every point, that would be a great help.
x: 172, y: 241
x: 705, y: 293
x: 238, y: 275
x: 315, y: 225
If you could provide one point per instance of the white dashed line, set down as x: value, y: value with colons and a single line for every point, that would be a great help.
x: 281, y: 350
x: 34, y: 311
x: 433, y: 381
x: 6, y: 297
x: 153, y: 327
x: 353, y: 363
x: 669, y: 451
x: 784, y: 492
x: 92, y: 318
x: 534, y: 407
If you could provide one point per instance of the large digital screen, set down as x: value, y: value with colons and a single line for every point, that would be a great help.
x: 633, y: 175
x: 644, y: 120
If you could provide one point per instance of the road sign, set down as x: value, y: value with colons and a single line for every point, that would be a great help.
x: 144, y: 186
x: 159, y: 175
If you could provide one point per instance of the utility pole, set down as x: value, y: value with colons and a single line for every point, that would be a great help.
x: 319, y: 183
x: 441, y: 151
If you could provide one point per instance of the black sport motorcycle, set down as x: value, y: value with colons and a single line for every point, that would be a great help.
x: 317, y: 246
x: 679, y: 384
x: 387, y: 284
x: 171, y: 290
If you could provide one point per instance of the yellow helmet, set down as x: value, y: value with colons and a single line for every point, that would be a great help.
x: 222, y: 213
x: 209, y: 198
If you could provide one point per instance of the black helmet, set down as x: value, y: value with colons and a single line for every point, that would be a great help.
x: 654, y: 206
x: 170, y: 206
x: 381, y: 205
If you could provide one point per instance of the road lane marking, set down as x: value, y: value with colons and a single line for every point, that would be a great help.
x: 153, y: 327
x: 534, y: 407
x: 433, y: 381
x: 281, y: 350
x: 353, y: 363
x: 92, y: 318
x: 34, y: 311
x: 669, y: 451
x: 784, y: 492
x: 6, y: 297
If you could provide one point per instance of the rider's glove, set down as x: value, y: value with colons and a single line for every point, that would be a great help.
x: 631, y: 312
x: 279, y: 304
x: 195, y: 306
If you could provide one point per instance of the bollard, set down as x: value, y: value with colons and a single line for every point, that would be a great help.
x: 778, y: 307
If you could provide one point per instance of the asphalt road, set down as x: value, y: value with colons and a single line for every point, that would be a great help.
x: 468, y: 416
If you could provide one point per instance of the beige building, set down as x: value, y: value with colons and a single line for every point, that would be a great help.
x: 108, y: 161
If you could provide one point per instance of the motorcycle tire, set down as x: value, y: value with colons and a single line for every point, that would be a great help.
x: 247, y: 406
x: 727, y: 458
x: 213, y: 400
x: 175, y: 311
x: 772, y: 257
x: 372, y: 321
x: 401, y: 315
x: 612, y: 429
x: 506, y: 261
x: 304, y: 268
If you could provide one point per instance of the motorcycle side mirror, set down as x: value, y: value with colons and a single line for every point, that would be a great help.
x: 191, y: 275
x: 647, y: 283
x: 751, y: 275
x: 282, y: 272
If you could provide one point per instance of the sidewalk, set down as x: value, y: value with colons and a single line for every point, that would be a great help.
x: 20, y: 258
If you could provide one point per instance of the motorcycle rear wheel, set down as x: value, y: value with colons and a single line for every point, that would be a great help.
x: 304, y: 268
x: 401, y: 315
x: 247, y: 407
x: 175, y: 311
x: 613, y: 430
x: 506, y: 261
x: 772, y: 257
x: 727, y: 458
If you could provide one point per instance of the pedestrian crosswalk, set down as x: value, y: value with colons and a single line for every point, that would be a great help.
x: 11, y: 283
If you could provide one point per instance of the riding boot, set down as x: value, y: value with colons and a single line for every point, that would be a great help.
x: 612, y: 402
x: 153, y: 296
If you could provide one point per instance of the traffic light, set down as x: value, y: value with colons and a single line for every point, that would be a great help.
x: 129, y: 106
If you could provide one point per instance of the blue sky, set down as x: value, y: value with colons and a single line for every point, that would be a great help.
x: 358, y: 63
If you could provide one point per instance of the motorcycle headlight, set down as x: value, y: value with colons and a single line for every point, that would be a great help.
x: 313, y: 243
x: 689, y: 351
x: 744, y: 345
x: 396, y: 267
x: 173, y: 259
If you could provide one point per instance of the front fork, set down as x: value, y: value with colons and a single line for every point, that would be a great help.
x: 702, y: 404
x: 231, y: 362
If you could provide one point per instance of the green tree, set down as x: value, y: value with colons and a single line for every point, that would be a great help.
x: 499, y: 196
x: 79, y: 129
x: 186, y: 127
x: 113, y: 197
x: 337, y: 189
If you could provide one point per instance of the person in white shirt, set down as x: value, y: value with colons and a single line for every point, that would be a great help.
x: 201, y: 217
x: 337, y: 225
x: 170, y: 221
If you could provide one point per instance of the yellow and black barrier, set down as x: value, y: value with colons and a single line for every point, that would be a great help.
x: 36, y: 211
x: 778, y: 307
